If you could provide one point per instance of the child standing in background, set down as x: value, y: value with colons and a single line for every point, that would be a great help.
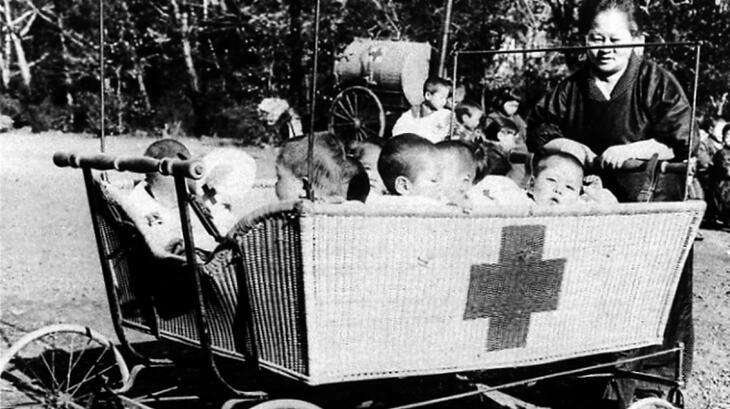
x: 430, y: 119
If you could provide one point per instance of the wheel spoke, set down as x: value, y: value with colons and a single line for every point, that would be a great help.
x: 75, y: 388
x: 24, y: 404
x: 86, y: 376
x: 353, y: 113
x: 356, y: 104
x: 70, y: 358
x: 35, y: 375
x: 51, y: 371
x: 346, y: 118
x: 81, y: 354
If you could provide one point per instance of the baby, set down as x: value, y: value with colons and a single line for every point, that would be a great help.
x: 459, y: 170
x: 557, y: 180
x: 335, y: 178
x: 430, y: 119
x: 410, y: 166
x: 468, y: 120
x: 368, y: 152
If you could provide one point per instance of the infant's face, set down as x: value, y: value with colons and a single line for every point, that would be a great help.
x: 369, y: 161
x: 456, y: 179
x: 472, y: 120
x: 610, y: 27
x: 511, y: 107
x: 427, y: 182
x: 288, y: 186
x: 438, y: 99
x: 560, y: 183
x: 507, y: 138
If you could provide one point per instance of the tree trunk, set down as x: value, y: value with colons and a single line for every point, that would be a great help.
x: 7, y: 46
x: 139, y: 71
x: 296, y: 72
x: 182, y: 19
x: 198, y: 106
x: 19, y: 52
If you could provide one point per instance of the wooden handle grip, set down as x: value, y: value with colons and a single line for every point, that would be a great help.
x: 192, y: 169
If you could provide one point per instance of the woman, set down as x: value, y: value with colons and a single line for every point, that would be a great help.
x: 619, y: 104
x: 622, y: 107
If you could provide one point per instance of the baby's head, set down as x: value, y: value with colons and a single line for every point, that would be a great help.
x: 557, y: 179
x: 368, y: 152
x: 459, y: 169
x: 504, y: 132
x: 436, y: 92
x: 160, y: 149
x: 469, y: 115
x: 409, y: 166
x: 331, y: 171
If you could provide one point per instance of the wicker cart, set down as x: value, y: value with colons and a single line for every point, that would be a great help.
x: 350, y: 302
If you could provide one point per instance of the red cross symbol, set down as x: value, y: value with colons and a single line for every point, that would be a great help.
x: 520, y: 284
x: 375, y: 54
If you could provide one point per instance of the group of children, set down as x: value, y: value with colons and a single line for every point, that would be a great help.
x: 421, y: 162
x: 418, y: 167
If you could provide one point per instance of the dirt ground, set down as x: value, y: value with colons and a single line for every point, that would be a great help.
x: 49, y: 269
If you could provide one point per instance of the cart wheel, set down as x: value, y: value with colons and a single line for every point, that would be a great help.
x: 62, y: 366
x: 285, y: 404
x: 356, y: 115
x: 652, y: 403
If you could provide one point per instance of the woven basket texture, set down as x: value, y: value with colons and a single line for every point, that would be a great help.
x: 397, y: 292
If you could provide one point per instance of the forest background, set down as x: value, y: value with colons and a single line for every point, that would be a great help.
x: 201, y: 67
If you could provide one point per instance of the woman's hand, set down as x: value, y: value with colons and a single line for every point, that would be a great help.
x: 615, y: 156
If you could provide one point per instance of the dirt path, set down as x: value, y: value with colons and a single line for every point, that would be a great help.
x: 50, y: 271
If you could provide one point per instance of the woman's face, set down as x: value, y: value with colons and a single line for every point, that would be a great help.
x: 510, y: 107
x: 610, y: 27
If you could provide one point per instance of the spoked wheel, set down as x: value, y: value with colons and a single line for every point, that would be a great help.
x: 652, y: 403
x: 62, y: 366
x: 356, y: 115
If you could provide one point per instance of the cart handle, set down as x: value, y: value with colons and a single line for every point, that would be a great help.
x: 192, y: 169
x: 520, y: 156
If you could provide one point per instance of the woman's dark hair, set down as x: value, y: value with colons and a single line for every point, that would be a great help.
x: 505, y: 95
x: 492, y: 130
x: 589, y: 9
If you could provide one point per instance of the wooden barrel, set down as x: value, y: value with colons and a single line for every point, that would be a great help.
x: 387, y: 65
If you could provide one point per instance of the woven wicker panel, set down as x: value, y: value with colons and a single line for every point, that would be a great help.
x: 219, y: 282
x: 123, y: 255
x: 394, y: 293
x: 270, y: 242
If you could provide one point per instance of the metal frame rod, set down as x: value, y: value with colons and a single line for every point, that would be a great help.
x: 102, y: 144
x: 452, y: 122
x: 448, y: 6
x: 537, y: 379
x: 690, y: 139
x: 313, y: 104
x: 578, y: 48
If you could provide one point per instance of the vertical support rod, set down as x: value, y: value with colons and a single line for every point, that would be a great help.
x: 448, y: 6
x: 679, y: 374
x: 689, y: 175
x: 313, y: 104
x: 452, y: 122
x: 101, y: 73
x: 111, y: 292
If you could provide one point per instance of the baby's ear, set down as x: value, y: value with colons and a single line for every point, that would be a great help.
x: 402, y: 185
x: 305, y: 188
